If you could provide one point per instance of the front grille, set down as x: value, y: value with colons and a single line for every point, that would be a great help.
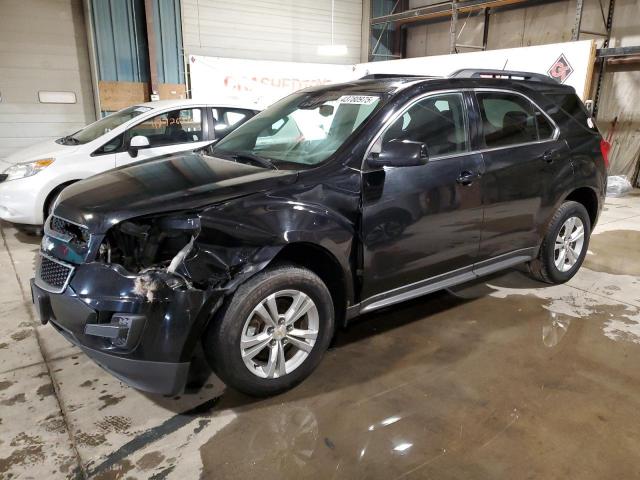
x: 52, y: 274
x: 68, y: 231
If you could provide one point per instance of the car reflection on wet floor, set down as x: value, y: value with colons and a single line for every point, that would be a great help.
x: 464, y: 385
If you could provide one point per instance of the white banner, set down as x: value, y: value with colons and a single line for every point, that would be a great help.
x: 260, y: 83
x: 569, y: 62
x: 257, y: 82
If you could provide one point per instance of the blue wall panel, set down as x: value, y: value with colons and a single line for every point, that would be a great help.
x: 121, y: 40
x: 168, y: 29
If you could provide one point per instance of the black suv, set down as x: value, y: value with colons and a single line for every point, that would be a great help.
x: 336, y: 201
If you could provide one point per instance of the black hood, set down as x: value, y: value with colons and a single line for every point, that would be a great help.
x: 169, y: 183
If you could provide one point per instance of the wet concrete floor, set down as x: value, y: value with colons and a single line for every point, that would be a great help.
x: 503, y: 378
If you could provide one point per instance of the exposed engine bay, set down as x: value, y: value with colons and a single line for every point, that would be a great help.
x: 143, y: 243
x: 154, y: 248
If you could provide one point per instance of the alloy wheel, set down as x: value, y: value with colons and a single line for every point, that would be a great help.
x: 569, y: 244
x: 279, y: 333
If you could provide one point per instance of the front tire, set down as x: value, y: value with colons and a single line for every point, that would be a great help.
x: 564, y: 246
x: 273, y: 331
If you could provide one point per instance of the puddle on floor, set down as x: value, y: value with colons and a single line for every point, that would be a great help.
x: 481, y: 383
x: 615, y: 251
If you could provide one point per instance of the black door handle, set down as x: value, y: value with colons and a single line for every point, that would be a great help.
x: 466, y: 178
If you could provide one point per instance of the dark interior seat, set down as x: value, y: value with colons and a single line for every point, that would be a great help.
x: 175, y: 134
x: 514, y: 130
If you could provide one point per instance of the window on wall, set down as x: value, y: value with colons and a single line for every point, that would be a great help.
x: 383, y: 43
x: 509, y: 119
x: 169, y: 128
x: 385, y: 38
x: 437, y: 121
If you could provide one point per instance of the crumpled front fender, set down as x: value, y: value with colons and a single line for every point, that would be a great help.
x: 240, y: 238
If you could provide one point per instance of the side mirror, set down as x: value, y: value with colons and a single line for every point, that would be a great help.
x: 136, y: 143
x: 399, y: 153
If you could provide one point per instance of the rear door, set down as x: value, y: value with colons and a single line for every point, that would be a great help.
x: 173, y: 131
x: 423, y: 221
x: 526, y: 165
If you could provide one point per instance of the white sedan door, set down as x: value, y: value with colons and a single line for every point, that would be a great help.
x: 169, y: 132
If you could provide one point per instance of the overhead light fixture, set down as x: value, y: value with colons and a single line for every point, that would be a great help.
x: 332, y: 50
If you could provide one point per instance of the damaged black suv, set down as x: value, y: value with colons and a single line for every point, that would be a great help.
x: 336, y: 201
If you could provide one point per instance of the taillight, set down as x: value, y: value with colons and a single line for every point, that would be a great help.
x: 604, y: 148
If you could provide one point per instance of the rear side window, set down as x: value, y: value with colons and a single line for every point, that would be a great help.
x: 437, y: 121
x: 509, y: 119
x: 225, y: 120
x: 571, y: 105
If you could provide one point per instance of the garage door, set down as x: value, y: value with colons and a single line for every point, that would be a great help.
x: 44, y: 64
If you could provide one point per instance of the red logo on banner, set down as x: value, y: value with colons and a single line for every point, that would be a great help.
x: 561, y: 69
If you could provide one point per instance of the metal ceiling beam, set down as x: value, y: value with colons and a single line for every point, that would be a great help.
x: 617, y: 52
x: 502, y: 8
x: 443, y: 10
x: 630, y: 60
x: 575, y: 32
x: 608, y: 25
x: 453, y: 27
x: 152, y: 48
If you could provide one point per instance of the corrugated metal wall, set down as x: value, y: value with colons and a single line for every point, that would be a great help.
x: 286, y: 30
x: 382, y: 36
x: 121, y: 40
x: 551, y: 23
x: 168, y: 28
x: 620, y: 100
x: 522, y: 27
x: 43, y: 46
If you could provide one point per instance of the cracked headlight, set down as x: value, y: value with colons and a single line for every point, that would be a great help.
x: 22, y: 170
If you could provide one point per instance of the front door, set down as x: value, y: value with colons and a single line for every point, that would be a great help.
x: 526, y: 164
x: 169, y: 132
x: 421, y: 222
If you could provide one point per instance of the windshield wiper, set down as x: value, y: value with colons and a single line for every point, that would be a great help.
x: 261, y: 161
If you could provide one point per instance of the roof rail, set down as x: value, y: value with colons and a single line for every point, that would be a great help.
x: 378, y: 76
x: 507, y: 74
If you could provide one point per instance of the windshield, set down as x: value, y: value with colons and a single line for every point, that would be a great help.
x: 102, y: 126
x: 301, y: 130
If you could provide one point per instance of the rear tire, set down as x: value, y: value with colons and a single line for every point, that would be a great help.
x: 564, y: 245
x: 258, y: 344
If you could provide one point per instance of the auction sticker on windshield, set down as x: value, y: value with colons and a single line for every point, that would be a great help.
x: 358, y: 99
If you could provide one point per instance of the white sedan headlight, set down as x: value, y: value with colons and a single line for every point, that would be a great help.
x: 22, y: 170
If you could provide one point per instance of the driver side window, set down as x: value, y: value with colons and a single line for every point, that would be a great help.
x: 438, y: 121
x: 171, y: 128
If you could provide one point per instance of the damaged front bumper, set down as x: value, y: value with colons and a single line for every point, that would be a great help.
x: 146, y: 338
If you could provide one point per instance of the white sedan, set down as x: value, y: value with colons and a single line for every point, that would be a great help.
x: 29, y: 188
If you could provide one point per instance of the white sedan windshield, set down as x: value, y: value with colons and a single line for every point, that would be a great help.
x: 104, y: 125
